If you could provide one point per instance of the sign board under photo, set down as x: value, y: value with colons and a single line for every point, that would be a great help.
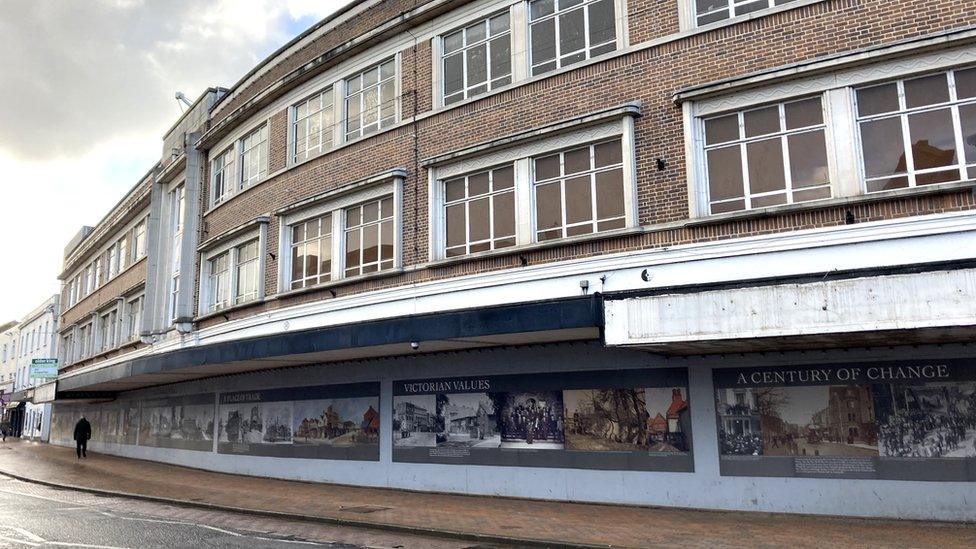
x: 46, y: 368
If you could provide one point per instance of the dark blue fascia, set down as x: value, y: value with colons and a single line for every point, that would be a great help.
x: 560, y: 314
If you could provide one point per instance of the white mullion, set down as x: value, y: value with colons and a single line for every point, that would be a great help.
x: 906, y: 134
x: 524, y: 198
x: 338, y: 240
x: 557, y: 45
x: 957, y: 124
x: 562, y: 194
x: 744, y: 162
x: 520, y: 53
x: 586, y: 29
x: 785, y: 146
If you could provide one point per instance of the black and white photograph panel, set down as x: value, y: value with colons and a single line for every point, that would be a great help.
x: 415, y: 421
x: 532, y: 419
x: 932, y: 420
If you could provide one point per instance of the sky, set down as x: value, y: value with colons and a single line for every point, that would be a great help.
x: 87, y: 89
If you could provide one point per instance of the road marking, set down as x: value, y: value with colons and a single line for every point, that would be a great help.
x: 19, y: 541
x: 27, y: 534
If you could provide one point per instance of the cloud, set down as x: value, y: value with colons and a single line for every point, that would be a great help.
x: 88, y: 90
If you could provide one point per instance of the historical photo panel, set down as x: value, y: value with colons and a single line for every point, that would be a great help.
x: 185, y: 422
x: 626, y: 420
x: 324, y: 422
x: 910, y: 420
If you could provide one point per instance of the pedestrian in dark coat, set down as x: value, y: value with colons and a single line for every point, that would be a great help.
x: 82, y: 434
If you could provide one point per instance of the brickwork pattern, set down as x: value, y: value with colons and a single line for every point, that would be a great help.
x: 649, y: 76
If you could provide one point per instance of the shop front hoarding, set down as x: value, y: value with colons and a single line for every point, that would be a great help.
x: 910, y: 420
x: 614, y: 420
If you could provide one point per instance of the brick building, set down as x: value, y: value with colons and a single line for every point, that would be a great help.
x: 538, y: 207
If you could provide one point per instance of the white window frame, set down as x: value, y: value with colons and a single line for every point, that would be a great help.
x: 206, y: 304
x: 366, y: 191
x: 584, y: 5
x: 521, y: 157
x: 108, y: 340
x: 177, y: 218
x: 129, y: 331
x: 223, y: 166
x: 441, y: 57
x: 842, y: 134
x: 336, y: 129
x: 262, y: 174
x: 396, y: 78
x: 688, y: 17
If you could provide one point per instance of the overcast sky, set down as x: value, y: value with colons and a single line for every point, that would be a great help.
x: 87, y: 90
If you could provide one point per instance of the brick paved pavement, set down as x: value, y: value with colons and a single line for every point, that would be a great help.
x: 618, y: 526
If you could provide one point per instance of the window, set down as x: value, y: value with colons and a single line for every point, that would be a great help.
x: 223, y: 169
x: 112, y: 258
x: 477, y: 58
x: 106, y: 328
x: 220, y: 281
x: 178, y: 202
x: 139, y: 241
x: 123, y: 248
x: 254, y: 157
x: 776, y: 154
x: 918, y: 131
x: 247, y: 273
x: 710, y: 11
x: 311, y: 252
x: 90, y: 278
x: 134, y: 314
x: 99, y: 274
x: 84, y: 340
x: 371, y: 100
x: 480, y: 212
x: 579, y: 191
x: 369, y: 237
x: 564, y: 32
x: 313, y: 125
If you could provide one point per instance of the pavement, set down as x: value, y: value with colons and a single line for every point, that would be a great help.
x: 484, y: 520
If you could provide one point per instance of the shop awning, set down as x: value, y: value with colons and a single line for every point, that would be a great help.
x: 11, y: 405
x: 572, y: 319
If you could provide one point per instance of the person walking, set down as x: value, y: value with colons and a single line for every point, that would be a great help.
x: 82, y: 434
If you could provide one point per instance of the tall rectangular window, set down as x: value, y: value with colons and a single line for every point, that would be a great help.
x: 253, y: 157
x: 918, y: 131
x: 477, y: 58
x: 312, y: 128
x: 223, y: 170
x: 99, y: 274
x: 247, y: 272
x: 371, y: 100
x: 369, y: 237
x: 711, y: 11
x: 134, y: 313
x: 311, y: 252
x: 139, y: 241
x: 107, y: 328
x: 479, y: 212
x: 112, y: 256
x: 219, y: 281
x: 123, y: 247
x: 579, y: 191
x: 564, y: 32
x: 767, y: 156
x: 178, y: 202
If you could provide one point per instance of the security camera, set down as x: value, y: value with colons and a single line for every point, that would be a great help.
x: 414, y: 345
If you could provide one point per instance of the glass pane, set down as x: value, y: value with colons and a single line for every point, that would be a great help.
x: 502, y: 178
x: 883, y: 150
x: 297, y: 261
x: 765, y: 160
x: 566, y: 4
x: 579, y: 200
x: 547, y: 167
x: 386, y: 242
x: 311, y: 229
x: 936, y: 177
x: 571, y: 32
x: 475, y: 33
x: 743, y: 9
x: 371, y: 211
x: 352, y: 216
x: 298, y: 233
x: 453, y: 75
x: 352, y: 249
x: 808, y: 159
x: 965, y: 83
x: 576, y: 161
x: 732, y: 206
x: 371, y: 77
x: 325, y: 256
x: 501, y: 56
x: 933, y: 142
x: 877, y: 100
x: 498, y: 24
x: 540, y: 8
x: 802, y: 114
x: 722, y: 129
x: 312, y: 258
x: 477, y: 64
x: 602, y: 25
x: 769, y: 200
x: 548, y: 206
x: 928, y: 90
x: 579, y: 230
x: 454, y: 189
x: 479, y: 222
x: 478, y: 184
x: 371, y: 240
x: 543, y: 41
x: 761, y: 121
x: 386, y: 207
x: 455, y: 225
x: 724, y: 173
x: 811, y: 194
x: 609, y: 194
x: 611, y: 225
x: 388, y: 69
x: 887, y: 184
x: 504, y: 214
x: 967, y: 117
x: 607, y: 154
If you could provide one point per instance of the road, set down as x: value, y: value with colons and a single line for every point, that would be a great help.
x: 32, y: 515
